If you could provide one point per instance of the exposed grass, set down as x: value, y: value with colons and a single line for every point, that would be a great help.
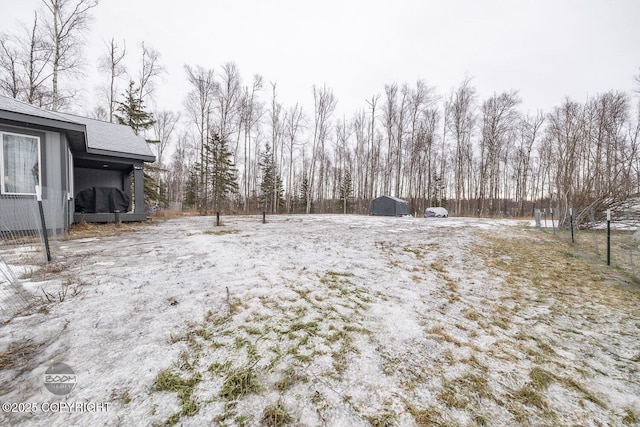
x: 275, y: 415
x: 6, y: 360
x: 482, y: 345
x: 385, y: 419
x: 290, y: 376
x: 424, y: 417
x: 239, y: 382
x: 540, y: 379
x: 530, y: 396
x: 630, y: 418
x: 166, y: 380
x: 83, y: 230
x: 19, y: 353
x: 123, y: 397
x: 586, y: 393
x: 221, y: 232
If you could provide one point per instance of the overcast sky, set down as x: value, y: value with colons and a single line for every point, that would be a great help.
x: 545, y: 49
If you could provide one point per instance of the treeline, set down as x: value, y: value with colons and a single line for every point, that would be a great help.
x: 233, y: 146
x: 473, y: 156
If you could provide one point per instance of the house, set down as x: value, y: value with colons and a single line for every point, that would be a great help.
x: 389, y: 206
x: 66, y: 154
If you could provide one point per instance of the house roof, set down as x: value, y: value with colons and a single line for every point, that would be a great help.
x: 18, y: 111
x: 113, y: 139
x: 98, y: 137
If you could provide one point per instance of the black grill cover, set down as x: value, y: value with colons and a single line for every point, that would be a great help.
x: 102, y: 200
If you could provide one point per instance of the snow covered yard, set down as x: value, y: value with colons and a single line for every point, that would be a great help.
x: 329, y: 320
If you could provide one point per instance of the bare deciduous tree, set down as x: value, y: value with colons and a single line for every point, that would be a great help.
x: 25, y: 65
x: 294, y: 124
x: 498, y: 124
x: 163, y: 127
x: 250, y: 114
x: 66, y: 21
x: 461, y: 115
x: 151, y: 68
x: 112, y: 64
x: 199, y: 105
x: 324, y: 106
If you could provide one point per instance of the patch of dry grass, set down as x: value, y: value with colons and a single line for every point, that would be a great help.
x: 83, y: 230
x: 563, y: 287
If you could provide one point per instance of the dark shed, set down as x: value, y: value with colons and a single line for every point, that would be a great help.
x: 389, y: 206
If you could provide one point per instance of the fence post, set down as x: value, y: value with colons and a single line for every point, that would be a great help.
x: 608, y: 236
x: 217, y: 219
x: 43, y: 225
x: 571, y: 223
x: 264, y: 217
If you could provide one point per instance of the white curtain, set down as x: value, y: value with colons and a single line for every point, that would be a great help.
x: 21, y: 163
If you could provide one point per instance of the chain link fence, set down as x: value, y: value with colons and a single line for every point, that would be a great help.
x: 615, y: 243
x: 26, y: 244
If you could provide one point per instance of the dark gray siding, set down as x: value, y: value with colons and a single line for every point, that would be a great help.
x: 15, y: 210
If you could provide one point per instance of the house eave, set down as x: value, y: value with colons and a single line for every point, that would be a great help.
x: 132, y: 156
x: 27, y: 120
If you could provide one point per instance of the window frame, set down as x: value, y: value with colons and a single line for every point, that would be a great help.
x: 3, y: 190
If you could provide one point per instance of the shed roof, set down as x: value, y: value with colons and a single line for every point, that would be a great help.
x: 395, y: 199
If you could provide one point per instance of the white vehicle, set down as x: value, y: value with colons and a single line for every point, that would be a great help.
x: 436, y: 213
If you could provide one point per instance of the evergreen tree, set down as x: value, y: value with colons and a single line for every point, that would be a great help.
x: 346, y: 188
x: 132, y: 113
x: 304, y: 190
x: 222, y: 171
x: 271, y: 191
x: 191, y: 190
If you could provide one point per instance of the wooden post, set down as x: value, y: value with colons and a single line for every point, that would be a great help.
x: 571, y: 223
x: 43, y: 225
x: 608, y: 236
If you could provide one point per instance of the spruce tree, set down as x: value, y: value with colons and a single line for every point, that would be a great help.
x: 304, y: 190
x: 344, y: 203
x: 271, y: 191
x: 131, y: 112
x: 222, y: 171
x: 191, y: 190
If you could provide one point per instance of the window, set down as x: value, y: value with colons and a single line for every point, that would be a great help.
x: 19, y: 163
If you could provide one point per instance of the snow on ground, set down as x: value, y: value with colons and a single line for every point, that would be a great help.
x: 316, y: 320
